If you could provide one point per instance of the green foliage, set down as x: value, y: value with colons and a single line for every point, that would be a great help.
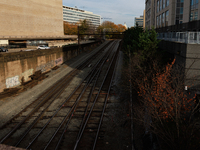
x: 148, y: 43
x: 131, y: 40
x: 84, y: 26
x: 138, y: 41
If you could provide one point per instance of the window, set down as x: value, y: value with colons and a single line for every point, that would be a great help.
x: 163, y: 4
x: 148, y: 4
x: 163, y: 19
x: 160, y: 19
x: 194, y: 10
x: 166, y: 17
x: 167, y: 3
x: 158, y: 5
x: 196, y: 15
x: 179, y: 11
x: 157, y: 21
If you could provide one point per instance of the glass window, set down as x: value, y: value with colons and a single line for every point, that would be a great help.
x: 160, y: 19
x: 163, y: 19
x: 191, y: 16
x: 194, y: 10
x: 157, y: 22
x: 166, y: 17
x: 163, y: 4
x: 160, y: 5
x: 167, y: 3
x: 181, y: 10
x: 192, y: 2
x: 196, y: 15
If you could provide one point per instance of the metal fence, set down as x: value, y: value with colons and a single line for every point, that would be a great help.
x: 183, y: 37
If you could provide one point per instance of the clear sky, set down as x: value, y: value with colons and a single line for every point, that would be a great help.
x: 120, y: 11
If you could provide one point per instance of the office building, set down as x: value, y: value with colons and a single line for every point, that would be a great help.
x: 74, y: 15
x: 163, y: 13
x: 31, y: 19
x: 139, y: 21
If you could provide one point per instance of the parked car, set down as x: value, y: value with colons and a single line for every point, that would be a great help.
x: 43, y: 47
x: 2, y: 49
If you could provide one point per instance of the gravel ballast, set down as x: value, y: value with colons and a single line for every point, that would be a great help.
x: 11, y: 106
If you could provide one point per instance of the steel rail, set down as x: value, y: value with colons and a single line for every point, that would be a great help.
x: 58, y: 144
x: 70, y: 112
x: 60, y: 108
x: 82, y: 130
x: 105, y: 103
x: 54, y: 90
x: 37, y: 119
x: 85, y: 114
x: 49, y: 92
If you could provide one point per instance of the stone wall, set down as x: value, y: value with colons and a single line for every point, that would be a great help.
x: 14, y: 66
x: 188, y: 56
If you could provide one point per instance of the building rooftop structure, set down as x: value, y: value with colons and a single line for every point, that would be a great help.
x: 139, y: 21
x: 74, y: 15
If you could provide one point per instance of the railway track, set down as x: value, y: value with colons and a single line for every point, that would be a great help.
x: 67, y: 116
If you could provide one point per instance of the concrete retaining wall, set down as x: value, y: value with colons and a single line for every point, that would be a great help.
x: 188, y: 56
x: 14, y: 66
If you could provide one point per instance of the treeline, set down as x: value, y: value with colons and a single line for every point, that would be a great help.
x: 165, y: 110
x: 85, y: 27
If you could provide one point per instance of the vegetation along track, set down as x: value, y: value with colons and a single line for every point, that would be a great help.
x: 66, y: 116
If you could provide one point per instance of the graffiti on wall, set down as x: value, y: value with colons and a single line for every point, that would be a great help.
x: 58, y: 61
x: 13, y: 81
x: 45, y: 67
x: 26, y: 74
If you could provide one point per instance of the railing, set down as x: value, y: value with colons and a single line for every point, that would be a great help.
x: 183, y: 37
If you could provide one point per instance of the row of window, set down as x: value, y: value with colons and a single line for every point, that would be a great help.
x: 148, y: 14
x: 79, y: 16
x: 75, y: 21
x: 97, y: 21
x: 194, y: 15
x: 148, y: 4
x: 162, y: 19
x: 76, y: 12
x: 85, y: 15
x: 194, y: 10
x: 148, y: 24
x: 161, y: 4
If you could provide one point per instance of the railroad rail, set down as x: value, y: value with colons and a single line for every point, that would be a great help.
x: 67, y: 116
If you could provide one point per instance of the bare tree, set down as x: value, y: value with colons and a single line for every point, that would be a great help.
x: 163, y: 106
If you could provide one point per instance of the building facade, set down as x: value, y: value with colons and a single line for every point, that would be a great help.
x: 31, y: 19
x: 74, y: 15
x: 162, y: 13
x: 139, y: 21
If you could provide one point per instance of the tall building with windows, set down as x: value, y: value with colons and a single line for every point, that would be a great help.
x: 162, y: 13
x: 139, y: 21
x: 74, y: 15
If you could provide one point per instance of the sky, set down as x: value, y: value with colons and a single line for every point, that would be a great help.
x: 120, y: 11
